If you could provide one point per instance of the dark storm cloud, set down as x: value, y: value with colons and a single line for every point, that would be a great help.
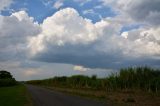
x: 88, y: 57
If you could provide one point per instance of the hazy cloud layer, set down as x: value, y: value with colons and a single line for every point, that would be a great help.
x: 58, y: 4
x: 143, y: 11
x: 4, y: 4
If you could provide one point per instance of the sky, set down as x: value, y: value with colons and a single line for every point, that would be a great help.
x: 46, y: 38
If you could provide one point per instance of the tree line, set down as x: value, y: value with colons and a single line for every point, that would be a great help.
x: 141, y: 78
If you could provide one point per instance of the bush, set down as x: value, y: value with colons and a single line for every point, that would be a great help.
x: 7, y: 82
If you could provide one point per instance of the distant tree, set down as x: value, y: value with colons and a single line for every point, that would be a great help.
x: 5, y: 75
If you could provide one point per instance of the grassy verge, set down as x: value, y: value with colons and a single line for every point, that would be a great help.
x: 133, y: 98
x: 14, y: 96
x: 118, y: 98
x: 93, y: 94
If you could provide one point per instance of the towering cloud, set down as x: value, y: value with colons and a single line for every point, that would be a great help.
x: 64, y: 27
x: 66, y: 37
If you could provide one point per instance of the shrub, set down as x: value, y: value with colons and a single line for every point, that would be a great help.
x: 7, y: 82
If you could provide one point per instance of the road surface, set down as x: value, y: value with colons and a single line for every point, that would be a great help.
x: 45, y: 97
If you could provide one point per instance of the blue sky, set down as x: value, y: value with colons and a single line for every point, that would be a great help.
x: 40, y: 9
x: 46, y: 38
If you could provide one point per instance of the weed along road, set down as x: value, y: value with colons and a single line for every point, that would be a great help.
x: 45, y: 97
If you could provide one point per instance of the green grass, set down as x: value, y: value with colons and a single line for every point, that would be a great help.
x: 14, y: 96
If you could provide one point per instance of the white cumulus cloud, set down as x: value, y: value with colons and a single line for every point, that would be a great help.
x: 14, y: 32
x: 66, y: 37
x: 80, y: 68
x: 65, y: 26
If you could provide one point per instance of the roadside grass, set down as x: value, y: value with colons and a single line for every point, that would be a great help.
x: 133, y: 98
x: 93, y: 94
x: 117, y: 98
x: 14, y: 96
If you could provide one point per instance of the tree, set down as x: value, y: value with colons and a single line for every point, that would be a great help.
x: 6, y: 79
x: 5, y: 75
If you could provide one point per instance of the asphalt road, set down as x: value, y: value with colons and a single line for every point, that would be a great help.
x: 45, y: 97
